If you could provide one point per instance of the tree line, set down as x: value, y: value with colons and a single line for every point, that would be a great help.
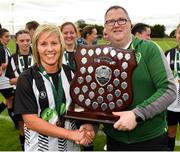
x: 157, y: 31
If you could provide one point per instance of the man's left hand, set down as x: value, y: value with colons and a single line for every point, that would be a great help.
x: 126, y: 122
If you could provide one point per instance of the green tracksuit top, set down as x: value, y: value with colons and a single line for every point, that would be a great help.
x: 153, y: 89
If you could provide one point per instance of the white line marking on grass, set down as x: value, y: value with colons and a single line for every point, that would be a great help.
x: 5, y: 117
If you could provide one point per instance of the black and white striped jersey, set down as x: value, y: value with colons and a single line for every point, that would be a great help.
x: 30, y: 100
x: 4, y: 58
x: 18, y: 64
x: 173, y: 59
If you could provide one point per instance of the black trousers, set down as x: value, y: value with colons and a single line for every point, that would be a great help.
x: 157, y: 144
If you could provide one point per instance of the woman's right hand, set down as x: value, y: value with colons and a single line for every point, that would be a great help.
x: 80, y: 137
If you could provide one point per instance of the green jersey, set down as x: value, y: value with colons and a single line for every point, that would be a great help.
x: 153, y: 90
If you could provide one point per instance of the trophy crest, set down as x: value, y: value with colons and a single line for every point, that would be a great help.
x: 102, y: 83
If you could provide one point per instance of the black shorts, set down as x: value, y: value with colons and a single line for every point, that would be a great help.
x: 159, y: 143
x: 173, y: 118
x: 7, y: 92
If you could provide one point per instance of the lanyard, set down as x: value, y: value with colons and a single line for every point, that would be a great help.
x: 178, y: 62
x: 137, y: 54
x: 69, y: 61
x: 58, y: 96
x: 132, y: 46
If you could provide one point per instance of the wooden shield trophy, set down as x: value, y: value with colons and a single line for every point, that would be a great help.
x: 102, y: 83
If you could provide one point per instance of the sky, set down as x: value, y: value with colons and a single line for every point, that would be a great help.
x: 15, y: 13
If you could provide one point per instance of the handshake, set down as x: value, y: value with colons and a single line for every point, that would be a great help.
x: 84, y: 135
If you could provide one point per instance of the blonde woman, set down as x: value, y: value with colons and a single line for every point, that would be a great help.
x: 42, y: 97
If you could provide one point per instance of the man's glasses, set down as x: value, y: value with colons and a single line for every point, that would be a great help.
x: 120, y: 21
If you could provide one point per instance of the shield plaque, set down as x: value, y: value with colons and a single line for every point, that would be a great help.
x: 102, y: 83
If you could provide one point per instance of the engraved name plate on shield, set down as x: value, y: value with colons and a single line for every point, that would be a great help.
x: 102, y: 83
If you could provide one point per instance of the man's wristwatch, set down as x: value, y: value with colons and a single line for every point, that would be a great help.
x: 138, y: 119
